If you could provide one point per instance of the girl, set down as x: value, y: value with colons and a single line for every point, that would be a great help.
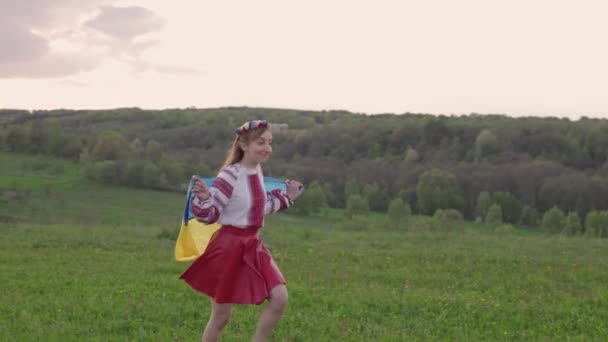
x: 236, y: 267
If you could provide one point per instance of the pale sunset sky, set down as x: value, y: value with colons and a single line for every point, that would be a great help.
x: 516, y: 57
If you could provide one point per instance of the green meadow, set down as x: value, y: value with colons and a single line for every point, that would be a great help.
x: 86, y: 261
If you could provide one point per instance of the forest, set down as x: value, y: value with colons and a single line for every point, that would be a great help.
x: 514, y: 170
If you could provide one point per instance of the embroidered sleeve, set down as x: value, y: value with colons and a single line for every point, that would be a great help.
x: 277, y: 200
x: 209, y: 211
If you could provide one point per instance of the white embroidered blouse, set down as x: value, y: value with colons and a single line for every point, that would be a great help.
x: 238, y: 198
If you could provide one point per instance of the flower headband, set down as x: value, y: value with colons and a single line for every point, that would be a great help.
x: 249, y: 125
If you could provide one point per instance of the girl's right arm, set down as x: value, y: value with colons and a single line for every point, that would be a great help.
x: 207, y: 206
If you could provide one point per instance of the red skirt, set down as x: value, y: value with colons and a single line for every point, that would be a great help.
x: 235, y: 268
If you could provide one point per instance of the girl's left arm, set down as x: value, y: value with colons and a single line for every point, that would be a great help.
x: 276, y: 200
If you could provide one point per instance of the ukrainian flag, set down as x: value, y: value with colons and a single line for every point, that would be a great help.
x: 193, y: 235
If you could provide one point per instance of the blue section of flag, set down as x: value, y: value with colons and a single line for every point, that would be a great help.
x: 269, y: 183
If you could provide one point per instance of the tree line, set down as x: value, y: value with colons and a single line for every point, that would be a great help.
x: 469, y: 163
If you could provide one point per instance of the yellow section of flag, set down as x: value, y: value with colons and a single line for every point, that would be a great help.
x: 193, y: 239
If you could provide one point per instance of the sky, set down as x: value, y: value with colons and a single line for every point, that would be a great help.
x: 516, y: 57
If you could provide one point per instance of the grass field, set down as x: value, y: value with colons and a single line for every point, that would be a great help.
x: 82, y: 261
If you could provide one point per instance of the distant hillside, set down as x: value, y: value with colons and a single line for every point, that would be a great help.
x: 539, y: 162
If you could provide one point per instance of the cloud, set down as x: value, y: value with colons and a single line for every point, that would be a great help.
x: 58, y: 38
x: 17, y: 44
x: 42, y: 14
x: 126, y: 23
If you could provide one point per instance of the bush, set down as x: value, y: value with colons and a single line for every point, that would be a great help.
x: 398, y: 210
x: 572, y: 224
x: 446, y: 220
x: 437, y: 189
x: 376, y: 197
x: 356, y: 205
x: 453, y: 215
x: 553, y: 221
x: 494, y: 214
x: 596, y: 224
x: 173, y: 171
x: 72, y: 148
x: 133, y: 175
x: 312, y: 200
x: 483, y: 203
x: 110, y: 146
x: 153, y: 177
x: 511, y: 207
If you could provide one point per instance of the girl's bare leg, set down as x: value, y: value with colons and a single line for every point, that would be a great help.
x: 220, y: 315
x: 272, y: 313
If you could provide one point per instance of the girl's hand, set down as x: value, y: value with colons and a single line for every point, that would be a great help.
x: 200, y: 189
x: 294, y: 189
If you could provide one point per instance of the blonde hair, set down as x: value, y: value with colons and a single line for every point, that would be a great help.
x: 235, y: 153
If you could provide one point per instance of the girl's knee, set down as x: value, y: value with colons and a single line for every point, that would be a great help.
x: 220, y: 314
x: 278, y: 298
x: 220, y: 320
